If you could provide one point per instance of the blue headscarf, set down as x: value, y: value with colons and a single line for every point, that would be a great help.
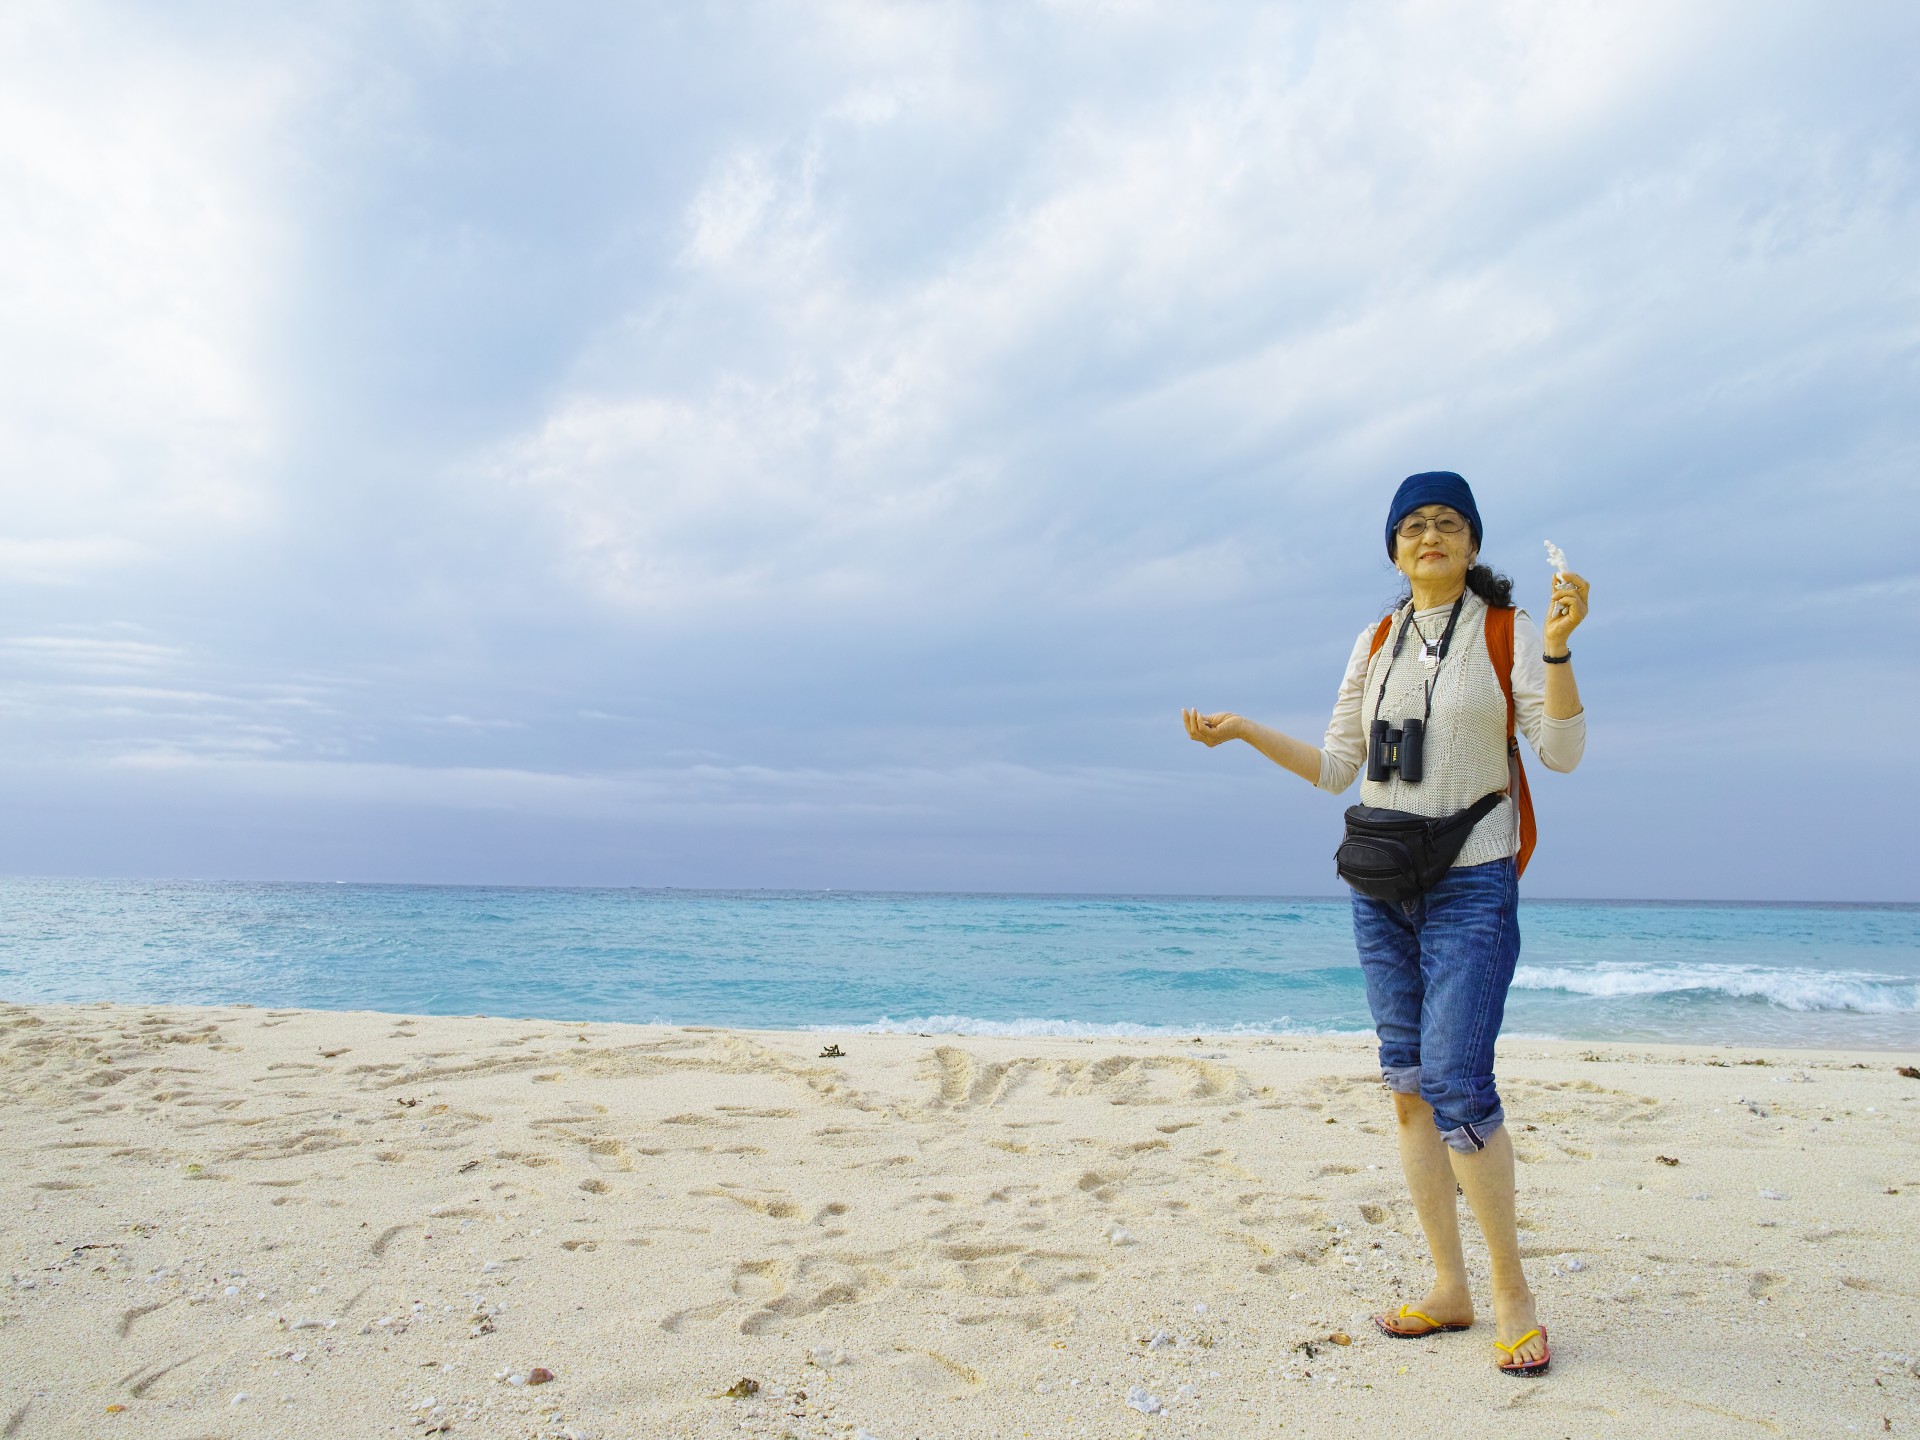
x: 1431, y: 487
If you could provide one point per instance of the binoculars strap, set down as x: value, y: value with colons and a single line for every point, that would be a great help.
x: 1500, y: 651
x: 1400, y: 638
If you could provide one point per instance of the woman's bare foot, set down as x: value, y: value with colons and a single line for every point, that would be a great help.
x: 1513, y: 1316
x: 1446, y: 1306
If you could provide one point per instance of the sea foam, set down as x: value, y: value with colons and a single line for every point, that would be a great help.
x: 1035, y: 1028
x: 1862, y: 992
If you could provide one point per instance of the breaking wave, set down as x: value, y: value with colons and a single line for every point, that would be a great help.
x: 1861, y: 992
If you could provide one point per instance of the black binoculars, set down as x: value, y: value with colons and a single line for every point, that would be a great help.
x: 1401, y: 748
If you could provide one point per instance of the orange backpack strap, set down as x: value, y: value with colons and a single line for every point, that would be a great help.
x: 1380, y: 633
x: 1500, y: 651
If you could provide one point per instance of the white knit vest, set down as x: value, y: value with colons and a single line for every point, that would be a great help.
x: 1466, y: 743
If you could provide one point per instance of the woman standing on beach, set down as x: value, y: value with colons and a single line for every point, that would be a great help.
x: 1433, y: 722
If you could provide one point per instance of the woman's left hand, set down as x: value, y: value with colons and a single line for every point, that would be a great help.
x: 1565, y: 610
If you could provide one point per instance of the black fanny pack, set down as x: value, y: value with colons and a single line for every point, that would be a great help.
x: 1393, y: 855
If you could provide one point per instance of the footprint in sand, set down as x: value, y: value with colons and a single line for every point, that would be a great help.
x: 758, y: 1279
x: 771, y: 1204
x: 610, y: 1155
x: 1005, y: 1270
x: 810, y: 1285
x: 674, y: 1323
x: 962, y: 1082
x: 848, y: 1137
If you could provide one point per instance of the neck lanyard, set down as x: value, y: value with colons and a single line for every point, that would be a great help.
x: 1399, y: 638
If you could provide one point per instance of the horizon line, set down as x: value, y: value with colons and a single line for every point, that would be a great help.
x: 926, y: 893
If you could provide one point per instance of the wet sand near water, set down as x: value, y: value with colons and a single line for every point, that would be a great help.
x: 235, y: 1222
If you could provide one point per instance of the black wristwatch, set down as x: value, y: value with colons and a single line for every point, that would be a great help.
x: 1558, y: 659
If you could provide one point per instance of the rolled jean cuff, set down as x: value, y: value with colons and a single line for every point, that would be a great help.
x: 1468, y: 1139
x: 1401, y: 1079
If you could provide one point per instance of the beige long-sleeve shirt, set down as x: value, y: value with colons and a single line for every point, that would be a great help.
x: 1466, y: 741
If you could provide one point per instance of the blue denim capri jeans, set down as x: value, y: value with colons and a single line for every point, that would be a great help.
x: 1437, y: 969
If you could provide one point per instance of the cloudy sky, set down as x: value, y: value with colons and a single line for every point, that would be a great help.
x: 825, y: 445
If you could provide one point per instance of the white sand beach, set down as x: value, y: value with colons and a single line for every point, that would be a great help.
x: 235, y: 1222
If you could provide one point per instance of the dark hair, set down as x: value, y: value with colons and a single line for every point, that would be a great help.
x: 1489, y: 584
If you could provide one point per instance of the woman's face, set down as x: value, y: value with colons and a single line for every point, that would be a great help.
x: 1434, y: 545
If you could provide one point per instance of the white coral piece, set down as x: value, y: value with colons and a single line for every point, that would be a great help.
x: 1557, y: 558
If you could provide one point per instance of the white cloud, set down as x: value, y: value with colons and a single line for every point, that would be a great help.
x: 107, y: 654
x: 753, y: 214
x: 706, y: 795
x: 1269, y: 257
x: 138, y: 258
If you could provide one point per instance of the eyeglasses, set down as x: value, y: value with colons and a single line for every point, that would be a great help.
x: 1414, y: 526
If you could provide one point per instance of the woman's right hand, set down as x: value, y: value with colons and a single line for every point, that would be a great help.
x: 1211, y: 730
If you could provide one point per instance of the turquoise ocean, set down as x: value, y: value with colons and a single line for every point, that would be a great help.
x: 1774, y: 974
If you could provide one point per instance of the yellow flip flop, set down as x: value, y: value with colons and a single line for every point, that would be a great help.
x: 1384, y: 1324
x: 1532, y: 1367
